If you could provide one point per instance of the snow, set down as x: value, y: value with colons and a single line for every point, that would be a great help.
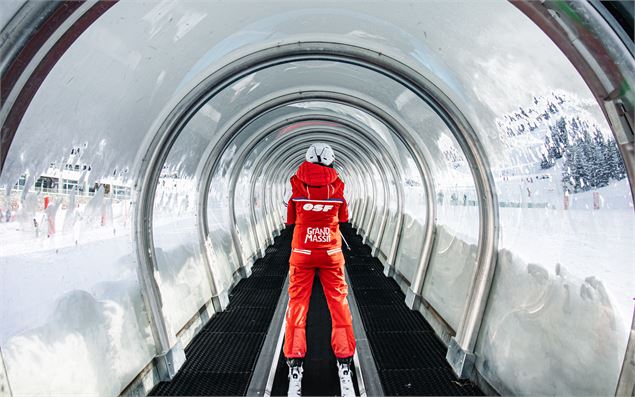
x: 562, y: 299
x: 72, y: 325
x: 548, y: 324
x: 73, y: 318
x: 180, y: 273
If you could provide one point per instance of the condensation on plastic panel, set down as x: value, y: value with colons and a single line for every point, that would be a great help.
x: 224, y: 258
x: 242, y: 210
x: 380, y: 204
x: 73, y: 317
x: 391, y: 220
x: 180, y: 273
x: 261, y: 212
x: 453, y: 258
x: 409, y: 254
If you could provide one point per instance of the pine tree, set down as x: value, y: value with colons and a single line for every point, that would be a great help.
x: 546, y: 163
x: 589, y: 163
x: 602, y: 173
x: 617, y: 168
x: 560, y: 135
x: 580, y: 172
x: 568, y: 179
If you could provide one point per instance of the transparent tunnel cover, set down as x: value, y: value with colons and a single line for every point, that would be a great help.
x: 180, y: 267
x: 565, y: 267
x: 455, y: 248
x: 73, y: 315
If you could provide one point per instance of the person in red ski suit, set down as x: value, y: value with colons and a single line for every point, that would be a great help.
x: 316, y: 208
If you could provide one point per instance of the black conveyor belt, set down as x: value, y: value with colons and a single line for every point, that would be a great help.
x: 320, y: 366
x: 221, y: 358
x: 409, y: 356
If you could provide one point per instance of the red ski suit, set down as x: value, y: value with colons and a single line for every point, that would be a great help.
x: 316, y: 207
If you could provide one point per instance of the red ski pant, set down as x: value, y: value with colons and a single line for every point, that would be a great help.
x: 335, y: 289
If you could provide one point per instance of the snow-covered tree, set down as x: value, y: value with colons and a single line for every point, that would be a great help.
x: 616, y: 164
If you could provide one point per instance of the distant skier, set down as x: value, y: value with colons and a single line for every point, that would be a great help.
x: 51, y: 213
x: 316, y: 207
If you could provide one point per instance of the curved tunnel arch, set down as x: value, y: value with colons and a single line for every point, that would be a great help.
x: 291, y: 143
x: 366, y: 105
x: 317, y: 118
x: 309, y: 117
x: 417, y: 78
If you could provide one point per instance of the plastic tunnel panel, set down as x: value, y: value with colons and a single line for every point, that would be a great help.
x: 453, y: 259
x: 146, y: 151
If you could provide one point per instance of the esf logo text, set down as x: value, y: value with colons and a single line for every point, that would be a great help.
x: 317, y: 207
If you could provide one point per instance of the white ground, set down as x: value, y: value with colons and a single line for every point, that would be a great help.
x: 81, y: 302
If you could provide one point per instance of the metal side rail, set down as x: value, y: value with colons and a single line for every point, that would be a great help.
x: 221, y: 359
x: 410, y: 359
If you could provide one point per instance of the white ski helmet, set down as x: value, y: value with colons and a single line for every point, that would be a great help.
x: 320, y: 153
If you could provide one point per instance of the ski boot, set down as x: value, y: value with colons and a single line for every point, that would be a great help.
x: 295, y: 377
x: 344, y: 371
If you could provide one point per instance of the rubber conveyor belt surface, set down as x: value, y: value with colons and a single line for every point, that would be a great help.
x: 221, y: 357
x: 410, y: 358
x: 320, y: 365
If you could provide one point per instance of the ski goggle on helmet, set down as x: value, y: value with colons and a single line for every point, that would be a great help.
x: 320, y: 153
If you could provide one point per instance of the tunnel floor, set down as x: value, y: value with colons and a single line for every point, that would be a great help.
x: 220, y: 360
x: 320, y: 376
x: 410, y: 359
x: 409, y: 356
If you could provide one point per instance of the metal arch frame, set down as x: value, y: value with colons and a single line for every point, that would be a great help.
x: 269, y: 129
x: 176, y: 120
x: 395, y: 169
x: 209, y: 169
x: 337, y: 132
x: 288, y: 170
x: 405, y: 137
x: 282, y: 176
x: 287, y: 147
x: 234, y: 177
x: 292, y: 165
x: 620, y: 126
x: 270, y: 196
x: 166, y: 132
x: 308, y: 116
x: 397, y: 129
x: 351, y: 184
x: 388, y: 185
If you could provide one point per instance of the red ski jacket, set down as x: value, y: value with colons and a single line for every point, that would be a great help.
x: 316, y: 207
